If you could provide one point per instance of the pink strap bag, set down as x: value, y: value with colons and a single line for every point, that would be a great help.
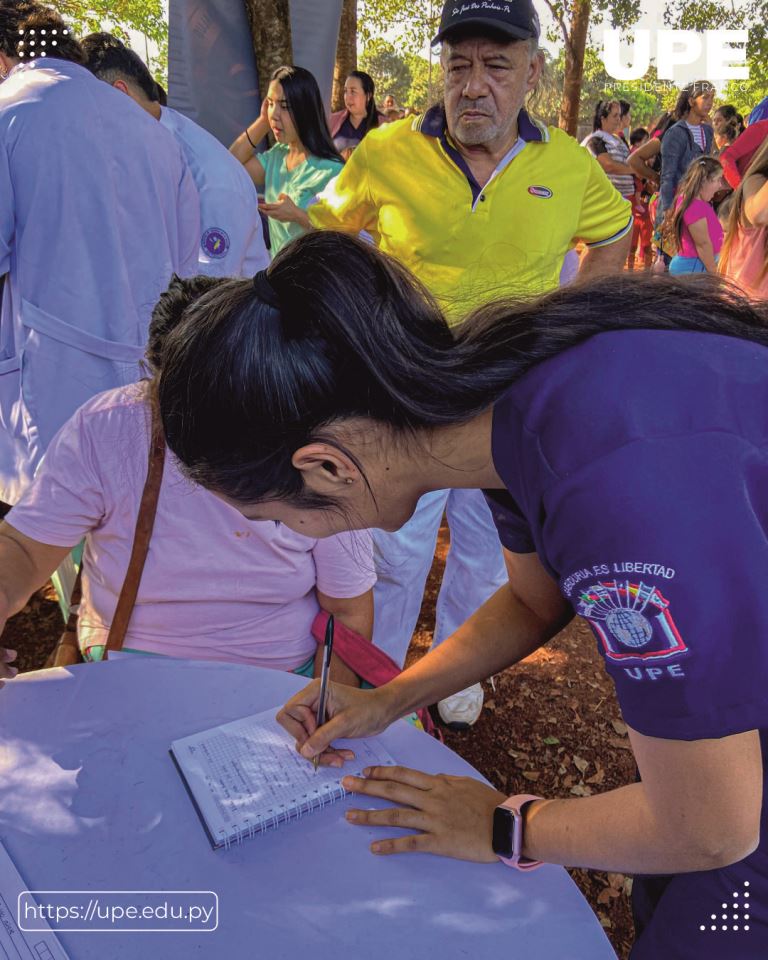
x: 369, y: 662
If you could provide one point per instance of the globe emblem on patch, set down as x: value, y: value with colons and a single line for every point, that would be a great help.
x: 629, y: 627
x: 215, y: 243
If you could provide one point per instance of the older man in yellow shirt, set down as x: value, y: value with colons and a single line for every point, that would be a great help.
x: 469, y: 231
x: 480, y: 201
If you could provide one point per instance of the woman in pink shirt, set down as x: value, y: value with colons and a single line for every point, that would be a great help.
x: 691, y: 226
x: 745, y: 251
x: 215, y: 586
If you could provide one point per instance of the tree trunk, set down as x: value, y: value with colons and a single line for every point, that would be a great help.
x: 270, y: 22
x: 346, y: 52
x: 574, y: 66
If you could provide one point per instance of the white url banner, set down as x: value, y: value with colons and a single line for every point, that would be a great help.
x: 124, y: 911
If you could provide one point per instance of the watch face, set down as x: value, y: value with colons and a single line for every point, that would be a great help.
x: 503, y: 832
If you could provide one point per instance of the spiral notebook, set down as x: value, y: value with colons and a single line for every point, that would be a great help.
x: 246, y: 777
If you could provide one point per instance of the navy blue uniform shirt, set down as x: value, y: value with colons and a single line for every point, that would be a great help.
x: 636, y: 467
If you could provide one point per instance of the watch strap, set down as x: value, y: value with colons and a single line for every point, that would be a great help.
x: 516, y: 804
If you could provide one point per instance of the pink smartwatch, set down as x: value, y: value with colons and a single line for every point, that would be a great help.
x: 508, y: 820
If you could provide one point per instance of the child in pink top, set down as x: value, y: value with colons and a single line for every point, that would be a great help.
x: 692, y: 226
x: 215, y: 586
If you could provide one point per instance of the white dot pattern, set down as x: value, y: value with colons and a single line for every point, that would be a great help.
x: 734, y: 916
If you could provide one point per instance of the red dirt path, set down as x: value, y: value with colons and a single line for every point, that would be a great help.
x: 552, y: 727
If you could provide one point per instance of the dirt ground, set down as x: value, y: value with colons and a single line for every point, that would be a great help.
x: 552, y: 726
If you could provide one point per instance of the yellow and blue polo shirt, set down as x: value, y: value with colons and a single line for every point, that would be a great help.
x: 409, y: 187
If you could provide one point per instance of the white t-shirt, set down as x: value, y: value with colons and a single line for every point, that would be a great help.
x: 231, y: 238
x: 215, y: 586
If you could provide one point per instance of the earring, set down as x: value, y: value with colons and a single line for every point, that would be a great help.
x: 349, y: 480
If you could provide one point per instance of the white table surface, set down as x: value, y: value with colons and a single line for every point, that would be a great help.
x: 90, y: 800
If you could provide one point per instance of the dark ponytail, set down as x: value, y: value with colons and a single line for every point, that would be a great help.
x: 170, y: 311
x: 244, y: 384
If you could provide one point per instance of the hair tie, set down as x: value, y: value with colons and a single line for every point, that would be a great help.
x: 265, y: 291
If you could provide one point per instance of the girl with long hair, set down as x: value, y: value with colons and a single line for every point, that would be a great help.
x: 303, y: 158
x: 691, y: 227
x: 618, y: 429
x: 690, y: 136
x: 360, y: 114
x: 744, y: 258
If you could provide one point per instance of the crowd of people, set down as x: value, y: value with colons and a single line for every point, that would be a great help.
x: 684, y: 178
x: 436, y: 321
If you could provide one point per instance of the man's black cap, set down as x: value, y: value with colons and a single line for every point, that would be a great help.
x: 515, y: 18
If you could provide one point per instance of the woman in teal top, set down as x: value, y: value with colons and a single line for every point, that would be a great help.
x: 303, y: 159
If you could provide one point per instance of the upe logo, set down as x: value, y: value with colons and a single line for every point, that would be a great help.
x: 543, y: 192
x: 632, y: 621
x: 726, y: 53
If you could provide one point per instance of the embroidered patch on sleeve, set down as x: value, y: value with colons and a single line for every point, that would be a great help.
x: 215, y: 243
x: 632, y: 621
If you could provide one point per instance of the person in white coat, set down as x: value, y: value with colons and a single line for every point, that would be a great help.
x: 232, y: 238
x: 98, y: 210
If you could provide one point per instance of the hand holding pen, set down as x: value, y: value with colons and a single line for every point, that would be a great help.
x: 323, y: 712
x: 327, y: 654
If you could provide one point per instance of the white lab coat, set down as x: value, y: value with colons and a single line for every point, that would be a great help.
x: 97, y: 209
x: 231, y: 234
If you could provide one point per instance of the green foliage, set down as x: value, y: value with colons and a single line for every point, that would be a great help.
x: 648, y: 97
x: 120, y: 16
x: 405, y: 75
x: 620, y: 14
x: 427, y: 86
x: 746, y: 94
x: 388, y: 68
x: 145, y: 16
x: 752, y: 16
x: 415, y: 21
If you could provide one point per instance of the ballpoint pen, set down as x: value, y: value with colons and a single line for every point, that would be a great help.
x: 327, y: 652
